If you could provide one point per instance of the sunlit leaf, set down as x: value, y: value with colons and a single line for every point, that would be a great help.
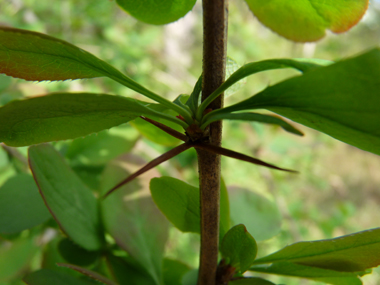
x: 341, y: 100
x: 307, y: 20
x: 312, y: 273
x: 239, y: 248
x: 63, y: 116
x: 36, y: 57
x: 71, y: 203
x: 157, y: 12
x: 260, y: 215
x: 21, y: 205
x: 132, y: 218
x: 351, y: 253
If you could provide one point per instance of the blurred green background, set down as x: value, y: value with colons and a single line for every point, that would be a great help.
x: 337, y: 191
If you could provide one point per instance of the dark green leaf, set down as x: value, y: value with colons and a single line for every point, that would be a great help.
x: 71, y: 203
x: 14, y: 259
x: 312, y: 273
x: 92, y: 274
x: 193, y: 101
x: 255, y: 67
x: 351, y: 253
x: 127, y: 271
x: 341, y: 100
x: 34, y: 56
x: 157, y: 12
x: 254, y: 117
x: 174, y: 271
x: 74, y: 254
x: 49, y: 277
x: 251, y: 281
x: 132, y: 218
x: 309, y: 18
x: 21, y: 206
x: 65, y: 116
x: 239, y: 248
x: 97, y: 149
x: 260, y: 215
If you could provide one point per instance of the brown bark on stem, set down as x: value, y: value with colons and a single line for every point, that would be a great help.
x: 215, y: 14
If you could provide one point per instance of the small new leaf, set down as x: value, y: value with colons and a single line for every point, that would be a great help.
x: 239, y: 248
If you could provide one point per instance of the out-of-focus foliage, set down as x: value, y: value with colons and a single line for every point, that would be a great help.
x: 337, y: 191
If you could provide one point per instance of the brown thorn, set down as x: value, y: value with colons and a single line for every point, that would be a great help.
x: 166, y: 129
x: 162, y: 158
x: 239, y: 156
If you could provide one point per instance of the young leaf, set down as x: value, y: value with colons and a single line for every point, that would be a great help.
x: 231, y: 67
x: 239, y: 248
x: 71, y: 203
x: 312, y: 273
x: 351, y: 253
x: 261, y: 216
x: 179, y: 202
x: 250, y: 281
x: 14, y: 259
x: 259, y: 66
x: 225, y: 223
x: 63, y: 116
x: 145, y: 229
x: 309, y: 18
x: 93, y: 275
x: 34, y: 56
x: 21, y: 206
x: 49, y: 277
x: 341, y: 100
x: 193, y: 100
x: 254, y: 117
x: 157, y: 12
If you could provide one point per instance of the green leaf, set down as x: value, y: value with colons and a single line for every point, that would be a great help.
x: 248, y: 69
x: 63, y: 116
x: 225, y: 218
x: 250, y: 281
x: 351, y: 253
x: 260, y: 215
x: 312, y: 273
x: 75, y: 254
x: 127, y: 271
x: 15, y: 258
x: 253, y: 117
x: 132, y: 218
x: 193, y: 100
x: 97, y: 149
x: 49, y: 277
x: 21, y: 206
x: 179, y: 202
x: 239, y: 248
x: 92, y: 274
x: 155, y: 134
x: 309, y: 18
x: 231, y: 67
x: 71, y: 203
x: 341, y: 100
x: 157, y: 12
x: 174, y: 271
x: 34, y: 56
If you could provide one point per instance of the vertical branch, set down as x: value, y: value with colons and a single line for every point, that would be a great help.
x: 214, y: 65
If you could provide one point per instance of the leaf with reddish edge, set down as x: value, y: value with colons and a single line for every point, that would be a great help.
x: 145, y: 229
x: 94, y: 275
x: 50, y: 277
x: 71, y: 203
x: 307, y: 20
x: 37, y: 57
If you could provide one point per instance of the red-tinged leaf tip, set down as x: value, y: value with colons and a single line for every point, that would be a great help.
x: 93, y: 275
